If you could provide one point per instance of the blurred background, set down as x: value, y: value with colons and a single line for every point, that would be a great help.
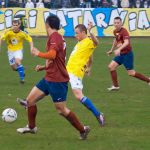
x: 55, y: 4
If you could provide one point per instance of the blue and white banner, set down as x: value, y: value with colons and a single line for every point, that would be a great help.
x: 136, y: 21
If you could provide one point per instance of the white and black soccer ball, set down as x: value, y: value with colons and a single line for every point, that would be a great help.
x: 9, y: 115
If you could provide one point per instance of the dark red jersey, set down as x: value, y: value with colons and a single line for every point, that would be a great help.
x: 120, y: 36
x: 56, y: 69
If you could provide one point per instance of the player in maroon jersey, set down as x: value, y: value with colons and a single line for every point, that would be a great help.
x: 123, y: 55
x: 55, y: 82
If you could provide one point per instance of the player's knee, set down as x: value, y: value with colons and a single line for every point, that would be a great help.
x: 63, y: 111
x: 78, y: 94
x: 78, y: 97
x: 59, y: 109
x: 110, y: 67
x: 30, y: 103
x: 18, y: 63
x: 131, y: 73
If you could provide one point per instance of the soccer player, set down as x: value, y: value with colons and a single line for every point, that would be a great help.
x: 79, y: 63
x: 14, y: 38
x: 54, y: 83
x: 123, y: 55
x: 23, y: 21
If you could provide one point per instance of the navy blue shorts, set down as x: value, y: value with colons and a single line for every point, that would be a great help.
x: 57, y: 90
x: 126, y: 60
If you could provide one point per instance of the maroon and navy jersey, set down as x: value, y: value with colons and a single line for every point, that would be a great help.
x: 120, y: 36
x: 56, y: 69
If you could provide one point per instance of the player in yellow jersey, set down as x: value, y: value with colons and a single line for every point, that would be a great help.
x: 14, y: 38
x: 79, y: 63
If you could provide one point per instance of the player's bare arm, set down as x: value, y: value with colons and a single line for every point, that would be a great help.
x: 89, y: 66
x: 118, y: 50
x: 112, y: 48
x: 31, y: 46
x: 93, y: 37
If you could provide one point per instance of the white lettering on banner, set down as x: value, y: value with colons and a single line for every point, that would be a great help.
x: 143, y: 22
x: 2, y: 26
x: 123, y: 13
x: 61, y: 16
x: 8, y: 18
x: 46, y: 14
x: 88, y: 17
x: 117, y: 13
x: 114, y: 13
x: 20, y: 12
x: 132, y: 21
x: 75, y: 16
x: 32, y: 18
x: 100, y: 20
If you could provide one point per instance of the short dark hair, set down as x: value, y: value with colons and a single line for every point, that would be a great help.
x: 82, y: 28
x: 53, y: 22
x: 117, y: 18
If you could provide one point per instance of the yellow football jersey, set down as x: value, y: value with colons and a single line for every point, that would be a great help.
x: 80, y: 56
x: 15, y: 40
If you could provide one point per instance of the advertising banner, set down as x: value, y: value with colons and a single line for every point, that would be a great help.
x: 136, y: 21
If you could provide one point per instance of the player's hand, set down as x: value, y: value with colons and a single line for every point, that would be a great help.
x: 90, y: 26
x: 87, y: 71
x: 39, y: 68
x: 109, y: 52
x: 35, y: 51
x: 117, y: 52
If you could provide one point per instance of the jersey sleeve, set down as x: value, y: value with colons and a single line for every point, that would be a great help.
x: 27, y: 37
x: 54, y: 43
x: 125, y: 35
x: 90, y: 44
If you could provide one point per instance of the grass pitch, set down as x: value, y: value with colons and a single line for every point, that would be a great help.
x: 127, y: 111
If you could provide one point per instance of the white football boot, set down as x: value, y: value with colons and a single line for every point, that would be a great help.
x: 27, y: 130
x: 113, y: 88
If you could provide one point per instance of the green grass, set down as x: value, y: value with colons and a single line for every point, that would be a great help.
x: 127, y: 111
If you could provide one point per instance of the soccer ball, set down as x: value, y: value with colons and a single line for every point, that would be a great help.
x: 9, y: 115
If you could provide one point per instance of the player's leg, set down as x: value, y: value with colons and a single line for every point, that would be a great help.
x: 139, y: 76
x: 72, y: 118
x: 18, y: 55
x: 128, y: 63
x: 112, y: 68
x: 89, y: 105
x: 58, y: 92
x: 32, y: 98
x: 11, y: 60
x: 31, y: 111
x: 77, y: 86
x: 37, y: 93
